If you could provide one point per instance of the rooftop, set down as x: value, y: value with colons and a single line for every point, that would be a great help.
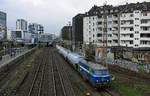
x: 110, y: 9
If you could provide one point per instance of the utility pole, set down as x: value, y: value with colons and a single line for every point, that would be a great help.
x: 104, y: 34
x: 70, y: 31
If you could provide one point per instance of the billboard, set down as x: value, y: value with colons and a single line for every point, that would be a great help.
x: 103, y: 53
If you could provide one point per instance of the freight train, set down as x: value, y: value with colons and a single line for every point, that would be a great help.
x: 96, y: 74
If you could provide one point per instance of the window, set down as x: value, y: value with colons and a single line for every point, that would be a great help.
x: 109, y: 35
x: 115, y: 15
x: 93, y: 18
x: 100, y: 28
x: 99, y: 35
x: 131, y: 29
x: 144, y: 21
x: 136, y: 32
x: 145, y: 28
x: 109, y: 22
x: 99, y: 17
x: 110, y: 29
x: 131, y: 42
x: 131, y: 35
x: 131, y: 22
x: 144, y: 14
x: 93, y: 29
x: 109, y: 16
x: 136, y: 18
x: 99, y: 23
x: 136, y: 25
x: 109, y: 41
x: 131, y: 15
x: 136, y: 12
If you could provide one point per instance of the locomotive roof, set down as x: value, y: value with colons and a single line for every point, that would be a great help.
x: 76, y: 54
x: 94, y: 65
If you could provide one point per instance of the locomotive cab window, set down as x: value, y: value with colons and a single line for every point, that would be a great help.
x: 101, y: 72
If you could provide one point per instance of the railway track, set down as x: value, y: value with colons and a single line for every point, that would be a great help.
x: 59, y: 89
x: 36, y: 86
x: 67, y: 82
x: 92, y: 91
x: 106, y: 92
x: 6, y: 75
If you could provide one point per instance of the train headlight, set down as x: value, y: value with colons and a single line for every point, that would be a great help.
x: 96, y: 80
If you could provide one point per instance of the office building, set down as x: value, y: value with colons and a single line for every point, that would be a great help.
x: 3, y: 25
x: 21, y: 24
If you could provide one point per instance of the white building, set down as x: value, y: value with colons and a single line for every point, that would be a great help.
x: 11, y: 35
x: 135, y: 29
x: 36, y: 30
x: 21, y: 24
x: 125, y: 25
x: 93, y: 30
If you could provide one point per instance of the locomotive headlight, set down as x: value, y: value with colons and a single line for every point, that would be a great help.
x: 96, y: 80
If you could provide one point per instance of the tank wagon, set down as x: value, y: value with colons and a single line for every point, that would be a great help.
x: 96, y: 74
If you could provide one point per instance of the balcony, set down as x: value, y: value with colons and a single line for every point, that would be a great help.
x: 145, y: 17
x: 145, y: 24
x: 126, y: 38
x: 115, y: 31
x: 115, y: 18
x: 126, y: 32
x: 126, y: 44
x: 127, y: 18
x: 114, y: 37
x: 115, y: 25
x: 144, y: 45
x: 142, y: 31
x: 127, y: 25
x: 145, y: 38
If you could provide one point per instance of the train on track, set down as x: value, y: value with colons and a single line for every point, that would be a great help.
x: 97, y: 75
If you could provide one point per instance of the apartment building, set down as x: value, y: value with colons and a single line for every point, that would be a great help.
x: 125, y: 25
x: 135, y: 29
x: 101, y: 27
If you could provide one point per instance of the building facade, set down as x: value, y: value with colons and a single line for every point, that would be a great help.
x: 36, y: 30
x: 3, y: 25
x: 125, y: 25
x: 21, y: 24
x: 46, y: 37
x: 66, y: 33
x: 77, y: 30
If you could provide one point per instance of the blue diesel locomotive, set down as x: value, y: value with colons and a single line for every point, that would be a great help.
x: 96, y: 74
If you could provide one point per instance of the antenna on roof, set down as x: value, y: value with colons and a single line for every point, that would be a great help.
x: 105, y: 3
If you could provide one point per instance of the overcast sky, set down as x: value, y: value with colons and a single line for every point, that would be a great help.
x: 53, y: 14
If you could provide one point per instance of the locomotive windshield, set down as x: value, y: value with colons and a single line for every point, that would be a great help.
x: 101, y: 72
